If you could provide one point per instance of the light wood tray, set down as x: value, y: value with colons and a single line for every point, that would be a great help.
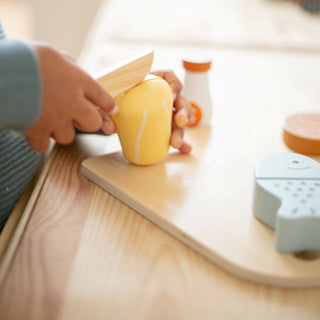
x: 205, y: 200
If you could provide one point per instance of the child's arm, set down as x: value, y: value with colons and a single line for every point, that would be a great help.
x: 20, y: 85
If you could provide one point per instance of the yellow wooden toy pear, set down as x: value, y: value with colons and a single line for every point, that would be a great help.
x: 143, y: 121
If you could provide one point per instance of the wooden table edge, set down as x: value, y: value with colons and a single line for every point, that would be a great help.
x: 13, y: 231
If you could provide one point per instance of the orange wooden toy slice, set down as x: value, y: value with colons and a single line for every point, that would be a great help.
x: 301, y: 133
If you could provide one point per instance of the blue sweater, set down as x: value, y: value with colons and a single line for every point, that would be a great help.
x: 20, y: 103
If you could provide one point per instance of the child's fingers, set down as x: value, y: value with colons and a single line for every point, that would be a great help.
x: 183, y: 111
x: 181, y: 118
x: 64, y: 133
x: 88, y: 118
x: 173, y: 81
x: 176, y: 136
x: 176, y: 139
x: 99, y: 97
x: 108, y: 126
x: 185, y: 147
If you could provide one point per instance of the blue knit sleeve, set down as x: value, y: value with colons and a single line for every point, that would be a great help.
x: 20, y: 85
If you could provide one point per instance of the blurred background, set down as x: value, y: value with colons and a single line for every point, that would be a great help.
x: 257, y: 24
x: 62, y: 23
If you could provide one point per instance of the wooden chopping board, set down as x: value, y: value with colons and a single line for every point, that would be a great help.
x: 205, y: 200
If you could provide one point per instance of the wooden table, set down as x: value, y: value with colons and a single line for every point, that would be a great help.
x: 79, y: 253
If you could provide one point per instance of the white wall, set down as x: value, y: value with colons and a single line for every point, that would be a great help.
x: 16, y: 18
x: 63, y: 23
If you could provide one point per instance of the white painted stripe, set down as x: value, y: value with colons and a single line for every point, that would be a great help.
x: 138, y: 141
x: 168, y: 115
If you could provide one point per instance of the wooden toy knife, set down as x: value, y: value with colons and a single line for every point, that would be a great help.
x: 124, y: 75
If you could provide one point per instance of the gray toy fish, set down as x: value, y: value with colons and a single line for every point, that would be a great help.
x: 287, y: 199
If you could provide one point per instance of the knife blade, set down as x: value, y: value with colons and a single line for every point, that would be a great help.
x: 126, y: 74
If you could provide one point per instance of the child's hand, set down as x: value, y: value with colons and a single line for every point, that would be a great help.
x: 71, y: 98
x: 182, y: 111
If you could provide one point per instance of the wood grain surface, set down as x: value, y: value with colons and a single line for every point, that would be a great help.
x: 124, y: 75
x: 84, y: 254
